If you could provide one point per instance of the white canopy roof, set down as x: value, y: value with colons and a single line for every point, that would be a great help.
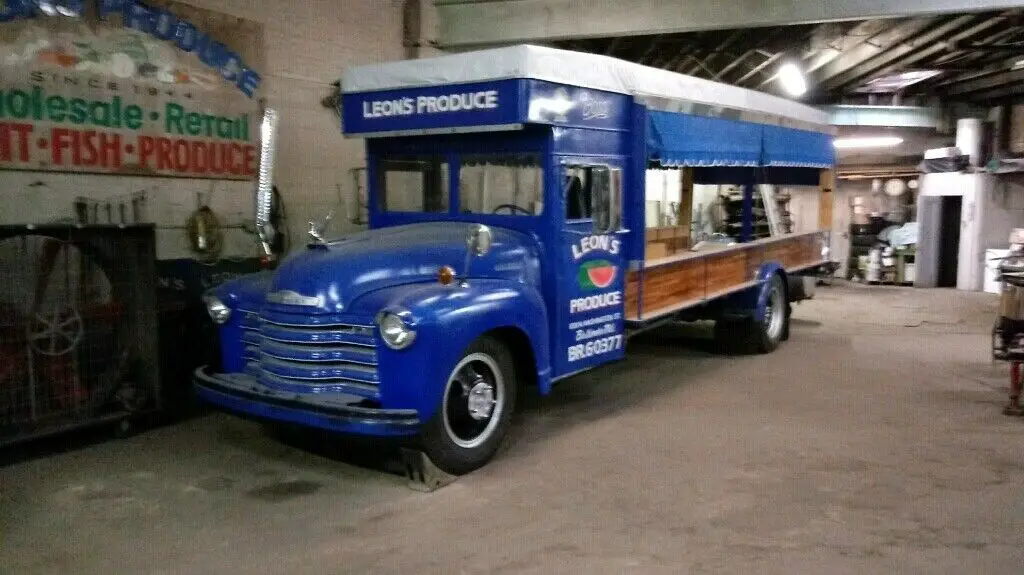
x: 574, y: 69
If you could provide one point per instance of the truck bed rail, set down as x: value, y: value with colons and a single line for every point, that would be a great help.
x: 656, y: 288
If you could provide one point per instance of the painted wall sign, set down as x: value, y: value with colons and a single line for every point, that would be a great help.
x: 126, y: 87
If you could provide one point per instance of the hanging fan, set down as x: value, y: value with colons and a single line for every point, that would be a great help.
x: 62, y: 350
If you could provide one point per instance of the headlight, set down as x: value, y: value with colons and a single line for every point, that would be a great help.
x: 825, y: 251
x: 394, y: 332
x: 219, y: 313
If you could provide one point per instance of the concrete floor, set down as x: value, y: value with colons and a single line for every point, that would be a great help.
x: 871, y: 443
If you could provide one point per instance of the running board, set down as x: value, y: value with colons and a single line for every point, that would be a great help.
x: 421, y: 472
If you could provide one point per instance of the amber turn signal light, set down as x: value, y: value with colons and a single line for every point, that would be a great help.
x: 446, y: 275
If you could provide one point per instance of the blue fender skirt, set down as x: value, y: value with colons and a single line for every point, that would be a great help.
x: 244, y: 395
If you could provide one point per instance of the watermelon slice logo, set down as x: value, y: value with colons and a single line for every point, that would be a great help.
x: 596, y: 274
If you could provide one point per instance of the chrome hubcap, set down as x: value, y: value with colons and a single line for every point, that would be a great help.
x: 473, y: 401
x: 481, y: 401
x: 774, y: 314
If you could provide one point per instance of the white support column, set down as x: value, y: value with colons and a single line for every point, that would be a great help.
x: 420, y: 29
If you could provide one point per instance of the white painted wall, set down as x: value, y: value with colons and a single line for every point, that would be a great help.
x: 307, y: 45
x: 992, y: 207
x: 663, y: 187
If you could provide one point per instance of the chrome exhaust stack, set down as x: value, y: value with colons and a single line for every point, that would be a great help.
x: 265, y: 182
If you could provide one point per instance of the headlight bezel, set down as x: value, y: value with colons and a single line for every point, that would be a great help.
x: 395, y: 331
x: 219, y: 312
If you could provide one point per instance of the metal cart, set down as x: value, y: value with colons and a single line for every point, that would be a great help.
x: 1008, y: 332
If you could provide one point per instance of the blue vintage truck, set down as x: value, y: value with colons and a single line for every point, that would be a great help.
x: 508, y: 246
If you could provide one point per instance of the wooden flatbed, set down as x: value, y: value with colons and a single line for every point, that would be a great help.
x: 663, y: 286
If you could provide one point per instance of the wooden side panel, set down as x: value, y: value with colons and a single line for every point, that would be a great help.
x: 794, y: 252
x: 673, y: 284
x: 726, y: 271
x: 633, y: 294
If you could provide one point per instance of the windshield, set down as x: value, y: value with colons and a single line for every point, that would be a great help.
x: 500, y: 184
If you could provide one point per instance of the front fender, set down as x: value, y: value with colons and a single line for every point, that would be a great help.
x: 447, y: 319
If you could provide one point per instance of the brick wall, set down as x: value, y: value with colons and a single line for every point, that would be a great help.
x: 308, y: 44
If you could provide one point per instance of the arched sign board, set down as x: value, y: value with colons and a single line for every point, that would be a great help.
x: 155, y: 88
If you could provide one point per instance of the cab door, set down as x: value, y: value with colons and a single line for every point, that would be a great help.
x: 589, y: 328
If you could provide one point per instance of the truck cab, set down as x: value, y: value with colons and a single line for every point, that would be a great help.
x: 505, y: 251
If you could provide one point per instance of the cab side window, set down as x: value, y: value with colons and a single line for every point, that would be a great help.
x: 504, y: 184
x: 594, y: 193
x: 413, y: 184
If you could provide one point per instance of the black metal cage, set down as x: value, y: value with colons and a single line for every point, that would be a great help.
x: 78, y: 327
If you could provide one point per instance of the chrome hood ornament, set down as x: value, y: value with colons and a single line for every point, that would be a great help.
x: 317, y: 229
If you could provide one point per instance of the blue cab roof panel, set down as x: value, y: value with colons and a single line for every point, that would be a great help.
x: 690, y: 121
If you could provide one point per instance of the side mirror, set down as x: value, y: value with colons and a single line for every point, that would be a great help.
x: 478, y: 243
x: 479, y: 240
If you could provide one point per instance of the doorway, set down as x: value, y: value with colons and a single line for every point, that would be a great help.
x: 949, y: 241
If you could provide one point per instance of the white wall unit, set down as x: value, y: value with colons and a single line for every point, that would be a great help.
x: 993, y: 258
x: 992, y: 207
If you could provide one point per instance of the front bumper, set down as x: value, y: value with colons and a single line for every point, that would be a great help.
x: 242, y: 394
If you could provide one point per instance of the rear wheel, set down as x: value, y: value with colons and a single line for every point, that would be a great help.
x: 753, y: 336
x: 476, y: 409
x: 774, y: 326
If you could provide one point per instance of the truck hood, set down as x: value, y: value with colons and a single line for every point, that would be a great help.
x: 332, y: 277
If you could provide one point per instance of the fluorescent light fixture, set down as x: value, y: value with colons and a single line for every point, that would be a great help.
x: 867, y: 142
x: 792, y: 80
x: 892, y: 83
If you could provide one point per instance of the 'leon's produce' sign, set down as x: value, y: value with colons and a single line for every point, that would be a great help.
x: 156, y: 88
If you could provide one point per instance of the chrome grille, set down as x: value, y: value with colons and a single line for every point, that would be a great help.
x: 315, y: 354
x: 250, y: 335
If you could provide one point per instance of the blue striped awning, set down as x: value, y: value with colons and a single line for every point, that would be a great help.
x: 698, y: 141
x: 683, y: 140
x: 789, y: 147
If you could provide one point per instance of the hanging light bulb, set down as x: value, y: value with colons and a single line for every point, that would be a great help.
x: 792, y: 79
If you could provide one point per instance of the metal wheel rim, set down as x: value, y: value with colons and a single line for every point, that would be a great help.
x: 454, y: 405
x: 774, y: 315
x: 57, y: 332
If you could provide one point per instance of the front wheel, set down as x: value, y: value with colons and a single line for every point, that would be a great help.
x: 476, y: 409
